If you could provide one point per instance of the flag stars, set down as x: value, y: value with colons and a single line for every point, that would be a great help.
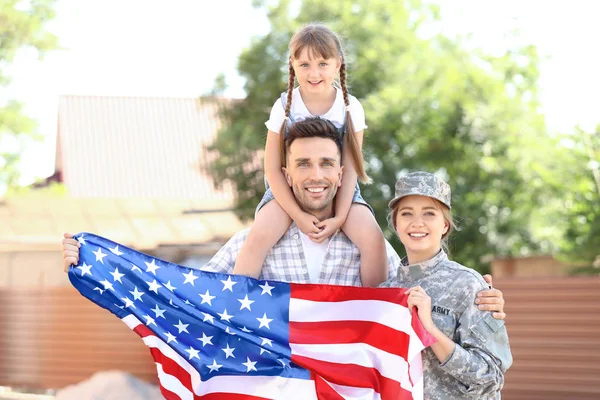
x: 85, y: 269
x: 266, y: 341
x: 116, y: 251
x: 189, y: 303
x: 284, y: 363
x: 250, y: 364
x: 158, y: 312
x: 107, y: 285
x: 169, y: 286
x: 117, y: 275
x: 228, y: 331
x: 206, y: 298
x: 208, y: 317
x: 81, y: 239
x: 245, y: 303
x: 214, y: 366
x: 225, y: 316
x: 181, y: 327
x: 98, y: 289
x: 228, y: 351
x: 128, y: 303
x: 193, y: 353
x: 228, y: 284
x: 205, y: 339
x: 136, y: 268
x: 151, y: 267
x: 99, y: 255
x: 137, y: 295
x: 190, y: 277
x: 149, y: 320
x: 244, y: 329
x: 170, y: 337
x: 153, y: 286
x: 264, y: 321
x: 266, y: 289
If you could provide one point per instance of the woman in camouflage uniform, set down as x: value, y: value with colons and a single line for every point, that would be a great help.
x: 472, y: 353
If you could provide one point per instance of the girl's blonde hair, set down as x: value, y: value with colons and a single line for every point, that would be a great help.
x: 322, y: 42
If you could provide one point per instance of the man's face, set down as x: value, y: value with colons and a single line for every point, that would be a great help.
x: 314, y: 173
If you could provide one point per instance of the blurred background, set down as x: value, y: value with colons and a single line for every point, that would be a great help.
x: 143, y: 121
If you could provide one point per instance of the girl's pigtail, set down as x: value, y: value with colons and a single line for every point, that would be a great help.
x: 349, y: 138
x: 288, y: 105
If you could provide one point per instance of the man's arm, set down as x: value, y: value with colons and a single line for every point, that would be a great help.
x: 491, y: 300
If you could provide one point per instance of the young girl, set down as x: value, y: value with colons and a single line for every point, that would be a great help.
x: 316, y: 60
x: 472, y: 352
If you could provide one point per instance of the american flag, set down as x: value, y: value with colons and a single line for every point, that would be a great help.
x: 217, y: 336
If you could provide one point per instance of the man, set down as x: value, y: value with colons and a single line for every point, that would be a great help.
x: 314, y: 173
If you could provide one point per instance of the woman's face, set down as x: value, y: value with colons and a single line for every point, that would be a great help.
x: 420, y: 225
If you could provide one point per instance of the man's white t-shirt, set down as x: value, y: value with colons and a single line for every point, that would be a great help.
x: 315, y: 254
x: 335, y: 114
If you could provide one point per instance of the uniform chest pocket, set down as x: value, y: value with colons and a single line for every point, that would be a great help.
x: 444, y: 320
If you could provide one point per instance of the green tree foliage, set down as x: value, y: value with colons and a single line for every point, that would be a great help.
x: 430, y: 104
x: 576, y: 182
x: 22, y: 25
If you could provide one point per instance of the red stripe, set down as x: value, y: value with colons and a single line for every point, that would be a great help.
x: 354, y: 375
x: 169, y: 395
x: 335, y: 293
x: 171, y: 367
x: 143, y: 331
x: 426, y: 338
x: 324, y: 391
x: 233, y: 396
x: 371, y: 333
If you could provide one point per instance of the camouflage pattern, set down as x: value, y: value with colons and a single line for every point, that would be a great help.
x: 475, y: 370
x: 424, y: 184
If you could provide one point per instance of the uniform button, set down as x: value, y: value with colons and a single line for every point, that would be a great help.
x: 296, y: 236
x: 304, y: 270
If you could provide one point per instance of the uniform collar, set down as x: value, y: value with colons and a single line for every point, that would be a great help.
x: 420, y: 270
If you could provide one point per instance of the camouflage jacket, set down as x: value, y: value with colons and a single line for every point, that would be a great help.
x: 475, y: 369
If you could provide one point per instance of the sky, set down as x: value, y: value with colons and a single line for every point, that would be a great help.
x: 177, y: 48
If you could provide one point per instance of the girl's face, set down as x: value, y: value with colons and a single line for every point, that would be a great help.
x: 420, y: 224
x: 314, y: 73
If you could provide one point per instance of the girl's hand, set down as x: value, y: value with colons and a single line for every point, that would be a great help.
x: 307, y: 223
x: 417, y: 297
x: 70, y: 251
x: 327, y: 228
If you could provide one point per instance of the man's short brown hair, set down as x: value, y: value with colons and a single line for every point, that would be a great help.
x: 312, y: 127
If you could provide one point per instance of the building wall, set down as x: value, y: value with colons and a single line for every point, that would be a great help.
x: 528, y: 267
x: 21, y: 269
x: 53, y: 337
x: 554, y: 330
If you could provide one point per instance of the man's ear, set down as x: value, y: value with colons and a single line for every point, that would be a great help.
x: 287, y: 176
x: 340, y: 176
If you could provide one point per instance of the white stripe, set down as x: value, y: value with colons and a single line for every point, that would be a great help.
x: 355, y: 393
x: 262, y: 386
x: 173, y: 384
x: 271, y: 387
x: 389, y: 365
x: 383, y: 312
x: 392, y: 315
